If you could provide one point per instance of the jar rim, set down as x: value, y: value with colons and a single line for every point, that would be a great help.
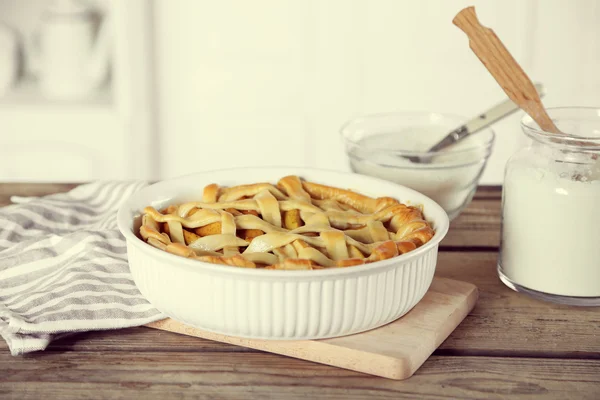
x: 569, y: 140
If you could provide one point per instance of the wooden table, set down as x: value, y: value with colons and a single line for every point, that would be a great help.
x: 510, y: 346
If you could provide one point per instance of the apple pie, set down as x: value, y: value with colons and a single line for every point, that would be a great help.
x: 293, y: 225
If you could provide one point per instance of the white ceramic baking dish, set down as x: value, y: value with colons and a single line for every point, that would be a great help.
x: 275, y: 304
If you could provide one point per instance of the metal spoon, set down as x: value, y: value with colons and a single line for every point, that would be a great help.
x: 476, y: 124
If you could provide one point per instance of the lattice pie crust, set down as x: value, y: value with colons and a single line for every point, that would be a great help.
x: 294, y: 225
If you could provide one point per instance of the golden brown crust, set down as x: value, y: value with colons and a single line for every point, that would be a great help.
x: 420, y: 237
x: 350, y: 262
x: 149, y: 230
x: 383, y: 251
x: 295, y: 225
x: 355, y: 252
x: 357, y: 201
x: 385, y: 202
x: 234, y: 212
x: 235, y: 261
x: 405, y: 247
x: 293, y: 264
x: 180, y: 250
x: 172, y: 209
x: 299, y: 245
x: 292, y: 186
x: 211, y: 193
x: 157, y: 243
x: 248, y: 191
x: 193, y: 211
x: 250, y: 212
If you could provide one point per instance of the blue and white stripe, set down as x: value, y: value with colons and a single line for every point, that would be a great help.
x: 63, y: 267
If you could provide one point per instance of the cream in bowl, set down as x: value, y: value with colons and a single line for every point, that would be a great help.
x: 379, y: 145
x: 330, y: 271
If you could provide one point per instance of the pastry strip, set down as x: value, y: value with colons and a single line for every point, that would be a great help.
x: 293, y: 225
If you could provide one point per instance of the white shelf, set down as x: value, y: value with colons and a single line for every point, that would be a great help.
x: 26, y: 95
x: 51, y: 140
x: 109, y: 135
x: 61, y: 142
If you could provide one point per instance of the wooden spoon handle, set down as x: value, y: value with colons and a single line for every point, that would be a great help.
x: 503, y: 67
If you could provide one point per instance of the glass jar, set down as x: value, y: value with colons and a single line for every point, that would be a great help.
x: 550, y: 241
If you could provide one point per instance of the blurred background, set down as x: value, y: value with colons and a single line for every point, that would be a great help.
x: 149, y: 89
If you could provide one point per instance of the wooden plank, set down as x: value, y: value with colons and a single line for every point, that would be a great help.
x: 394, y: 351
x: 478, y: 226
x: 502, y: 323
x: 138, y: 339
x: 509, y: 323
x: 159, y: 375
x: 488, y: 192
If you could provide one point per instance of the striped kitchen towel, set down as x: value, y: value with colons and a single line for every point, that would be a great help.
x: 63, y: 267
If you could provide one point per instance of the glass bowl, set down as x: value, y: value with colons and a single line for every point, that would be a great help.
x: 378, y: 144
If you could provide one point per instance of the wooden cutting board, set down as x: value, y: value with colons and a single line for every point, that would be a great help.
x: 394, y: 351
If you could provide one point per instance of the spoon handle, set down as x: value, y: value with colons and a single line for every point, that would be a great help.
x: 481, y: 121
x: 503, y: 67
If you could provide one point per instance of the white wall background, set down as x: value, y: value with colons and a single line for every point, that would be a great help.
x: 268, y: 82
